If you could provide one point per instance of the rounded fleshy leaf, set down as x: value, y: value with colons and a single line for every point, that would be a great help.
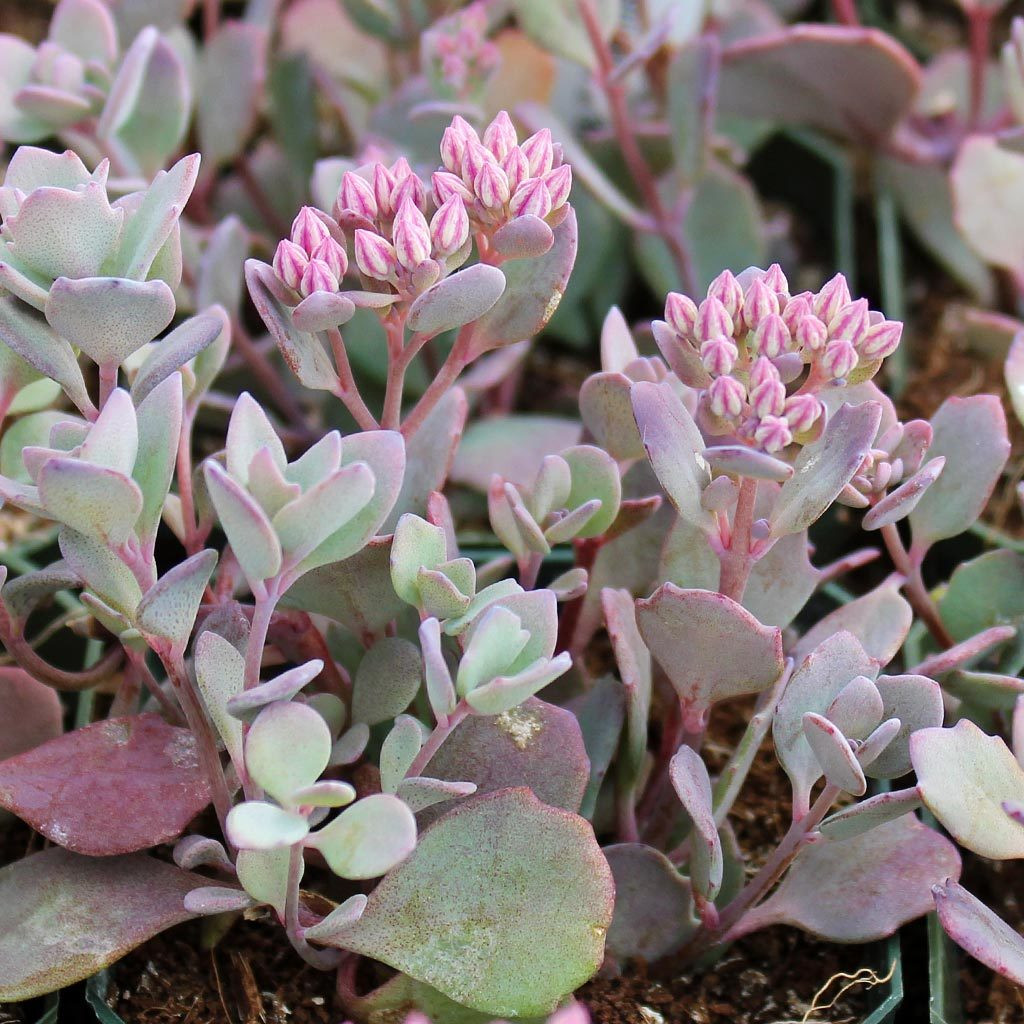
x: 264, y: 875
x: 868, y: 814
x: 159, y: 417
x: 387, y: 680
x: 332, y: 928
x: 249, y: 430
x: 287, y: 748
x: 33, y: 712
x: 479, y: 885
x: 217, y: 899
x: 183, y: 344
x: 168, y: 609
x: 72, y: 787
x: 419, y: 793
x: 220, y: 676
x: 979, y: 931
x: 246, y: 706
x: 368, y: 838
x: 594, y: 475
x: 200, y: 851
x: 965, y: 777
x: 398, y: 751
x: 101, y: 503
x: 607, y: 410
x: 858, y: 708
x: 258, y: 825
x: 320, y: 311
x: 917, y: 702
x: 506, y: 692
x: 898, y: 504
x: 836, y: 759
x: 692, y: 784
x: 457, y: 300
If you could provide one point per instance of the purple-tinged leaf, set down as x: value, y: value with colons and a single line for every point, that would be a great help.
x: 199, y: 851
x: 246, y: 705
x: 863, y: 888
x: 854, y: 82
x: 74, y: 788
x: 965, y: 777
x: 418, y: 793
x: 333, y: 926
x: 457, y: 300
x: 64, y: 917
x: 868, y: 814
x: 101, y: 503
x: 32, y: 713
x: 979, y: 931
x: 824, y: 468
x: 971, y: 434
x: 739, y: 460
x: 168, y: 609
x: 833, y: 754
x: 898, y: 504
x: 858, y: 709
x: 962, y: 654
x: 159, y: 416
x: 320, y: 311
x: 710, y: 647
x: 607, y: 410
x: 653, y: 904
x: 217, y: 899
x: 183, y: 344
x: 692, y: 784
x: 780, y: 583
x: 479, y: 886
x: 399, y: 750
x: 524, y: 238
x: 1014, y: 375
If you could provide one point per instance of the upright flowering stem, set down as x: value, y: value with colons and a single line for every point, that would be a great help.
x: 979, y: 25
x: 346, y: 389
x: 446, y: 377
x: 737, y: 560
x: 394, y: 327
x: 436, y: 738
x: 916, y: 591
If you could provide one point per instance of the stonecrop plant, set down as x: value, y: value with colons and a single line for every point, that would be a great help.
x: 255, y: 419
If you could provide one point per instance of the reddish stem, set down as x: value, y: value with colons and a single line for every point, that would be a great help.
x: 737, y: 560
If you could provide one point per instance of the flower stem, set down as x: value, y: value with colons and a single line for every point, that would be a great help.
x: 736, y: 560
x: 446, y: 377
x: 917, y: 594
x: 346, y: 388
x: 436, y: 738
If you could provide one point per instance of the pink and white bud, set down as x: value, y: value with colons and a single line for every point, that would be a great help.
x: 771, y: 338
x: 516, y: 168
x: 375, y: 256
x: 726, y: 396
x: 356, y: 196
x: 759, y: 302
x: 317, y: 277
x: 559, y: 183
x: 446, y: 185
x: 384, y: 185
x: 500, y: 135
x: 833, y: 296
x: 474, y: 160
x: 411, y: 189
x: 454, y: 141
x: 681, y: 314
x: 539, y: 152
x: 881, y: 339
x: 331, y: 253
x: 811, y: 334
x: 531, y: 198
x: 491, y: 186
x: 795, y: 310
x: 449, y: 227
x: 719, y: 355
x: 883, y: 474
x: 776, y: 280
x: 773, y: 433
x: 768, y: 398
x: 763, y: 371
x: 850, y: 323
x: 308, y: 230
x: 411, y: 236
x: 802, y: 412
x: 289, y: 263
x: 840, y: 359
x: 728, y: 291
x: 713, y: 320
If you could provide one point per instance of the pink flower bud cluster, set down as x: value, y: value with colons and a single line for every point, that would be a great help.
x: 898, y: 453
x: 760, y: 354
x: 312, y: 259
x: 497, y: 178
x: 459, y: 50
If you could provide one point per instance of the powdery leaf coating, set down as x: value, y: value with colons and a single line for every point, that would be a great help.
x: 1014, y: 374
x: 653, y: 906
x: 978, y: 931
x: 971, y: 434
x: 824, y: 468
x: 259, y: 825
x: 987, y: 591
x: 917, y: 702
x: 965, y: 777
x: 386, y: 681
x: 32, y: 713
x: 537, y: 745
x: 101, y: 503
x: 594, y: 475
x: 64, y: 917
x: 220, y: 675
x: 833, y: 754
x: 607, y: 411
x: 168, y: 609
x: 692, y: 784
x: 868, y: 814
x: 368, y: 838
x: 183, y: 344
x: 457, y: 300
x: 287, y: 748
x: 503, y: 906
x: 73, y: 787
x: 159, y: 417
x: 855, y: 82
x: 710, y: 647
x: 860, y: 889
x: 264, y: 875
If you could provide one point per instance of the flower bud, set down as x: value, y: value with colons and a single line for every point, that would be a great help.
x: 475, y: 158
x: 454, y: 141
x: 728, y: 291
x: 883, y: 474
x: 410, y: 188
x: 446, y: 185
x: 713, y: 320
x: 802, y: 412
x: 308, y: 230
x: 839, y: 360
x: 531, y: 198
x: 411, y: 236
x: 559, y: 183
x: 881, y: 339
x: 726, y: 396
x: 491, y: 186
x: 332, y: 254
x: 289, y: 263
x: 833, y: 296
x: 759, y: 302
x: 375, y: 256
x: 811, y: 334
x: 516, y: 168
x: 776, y: 280
x: 763, y: 370
x: 795, y: 310
x: 768, y: 398
x: 500, y: 135
x: 449, y: 227
x: 719, y: 355
x: 356, y: 196
x: 850, y: 323
x: 384, y: 185
x: 773, y: 433
x: 539, y: 152
x: 681, y: 314
x: 317, y: 277
x: 771, y: 337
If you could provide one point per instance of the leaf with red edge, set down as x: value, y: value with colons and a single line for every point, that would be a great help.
x: 64, y: 917
x: 32, y: 712
x: 854, y: 82
x: 75, y: 789
x: 979, y: 931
